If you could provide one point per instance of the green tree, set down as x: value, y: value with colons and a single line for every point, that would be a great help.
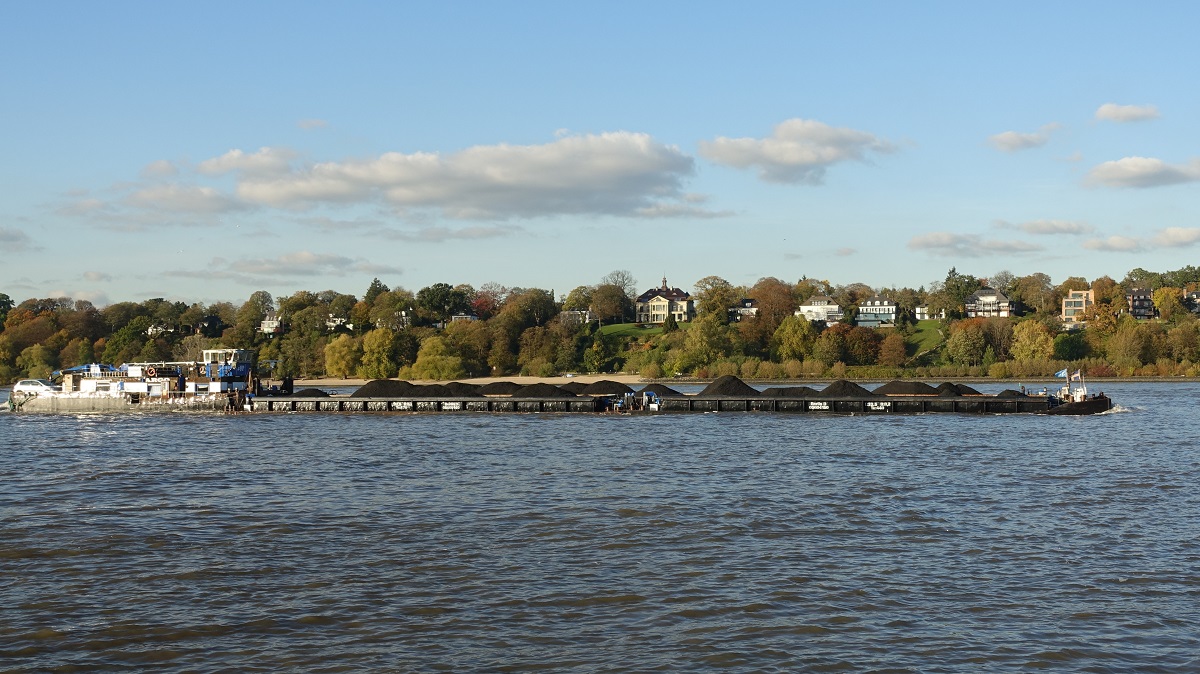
x: 579, y: 299
x: 670, y: 325
x: 6, y: 304
x: 951, y: 295
x: 440, y: 301
x: 343, y: 355
x: 1031, y: 341
x: 715, y: 295
x: 830, y: 347
x: 967, y: 342
x: 379, y: 354
x: 37, y: 361
x: 794, y: 338
x: 609, y: 302
x: 1070, y: 346
x: 435, y: 362
x: 1169, y: 303
x: 374, y: 290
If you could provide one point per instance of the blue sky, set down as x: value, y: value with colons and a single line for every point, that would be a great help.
x: 202, y: 152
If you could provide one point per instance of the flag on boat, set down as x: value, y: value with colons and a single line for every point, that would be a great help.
x: 1077, y: 375
x: 1061, y: 373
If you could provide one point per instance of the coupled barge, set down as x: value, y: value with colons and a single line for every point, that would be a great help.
x: 697, y: 403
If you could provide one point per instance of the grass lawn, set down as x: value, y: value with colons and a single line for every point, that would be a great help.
x: 925, y: 336
x: 635, y: 330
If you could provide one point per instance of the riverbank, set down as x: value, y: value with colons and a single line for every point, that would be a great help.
x: 633, y: 379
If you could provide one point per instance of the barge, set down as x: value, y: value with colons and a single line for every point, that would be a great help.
x: 225, y: 381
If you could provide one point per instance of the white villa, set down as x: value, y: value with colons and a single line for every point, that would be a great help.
x: 876, y: 311
x: 988, y: 302
x: 654, y: 305
x: 820, y: 308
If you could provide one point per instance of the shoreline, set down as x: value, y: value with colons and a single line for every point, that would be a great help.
x: 632, y: 379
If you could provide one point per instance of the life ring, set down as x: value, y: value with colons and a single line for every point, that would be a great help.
x: 150, y: 371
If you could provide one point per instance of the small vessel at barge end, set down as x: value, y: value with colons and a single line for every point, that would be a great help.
x: 1073, y: 399
x: 220, y: 379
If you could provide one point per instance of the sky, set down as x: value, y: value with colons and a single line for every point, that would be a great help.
x: 201, y: 152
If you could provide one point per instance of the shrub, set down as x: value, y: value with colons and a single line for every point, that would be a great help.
x: 793, y: 368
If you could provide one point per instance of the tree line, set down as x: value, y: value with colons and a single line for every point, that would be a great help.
x: 445, y: 331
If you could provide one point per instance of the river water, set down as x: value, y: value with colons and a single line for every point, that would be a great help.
x: 741, y: 542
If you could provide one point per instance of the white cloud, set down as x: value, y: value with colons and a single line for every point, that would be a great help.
x: 299, y: 264
x: 160, y: 169
x: 1126, y: 113
x: 308, y: 124
x: 667, y: 210
x: 96, y: 297
x: 440, y: 234
x: 798, y: 151
x: 1116, y: 244
x: 1013, y: 141
x: 968, y: 245
x: 1048, y: 227
x: 182, y: 198
x: 86, y: 207
x: 1143, y: 172
x: 14, y: 240
x: 267, y: 161
x: 96, y: 276
x: 617, y: 173
x: 1177, y: 237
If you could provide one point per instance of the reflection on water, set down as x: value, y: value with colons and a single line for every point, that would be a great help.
x: 743, y: 541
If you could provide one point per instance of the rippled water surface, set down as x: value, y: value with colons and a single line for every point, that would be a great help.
x: 682, y: 542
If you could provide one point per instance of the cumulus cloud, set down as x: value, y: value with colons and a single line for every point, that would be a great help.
x: 14, y: 240
x: 96, y: 276
x: 1013, y: 141
x: 1143, y: 172
x: 1126, y: 113
x: 1048, y: 227
x: 617, y: 173
x: 308, y: 124
x: 1116, y: 244
x: 798, y: 151
x: 968, y: 245
x: 1177, y: 237
x: 267, y: 161
x: 160, y: 169
x: 182, y: 199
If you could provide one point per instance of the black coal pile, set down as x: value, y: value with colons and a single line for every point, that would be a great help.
x: 310, y: 393
x: 458, y: 389
x: 660, y: 390
x: 1009, y: 393
x: 729, y: 385
x: 951, y: 389
x: 575, y: 387
x: 431, y: 391
x: 845, y: 389
x: 541, y: 390
x: 606, y: 387
x: 789, y: 392
x: 906, y: 388
x: 384, y: 388
x: 499, y: 388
